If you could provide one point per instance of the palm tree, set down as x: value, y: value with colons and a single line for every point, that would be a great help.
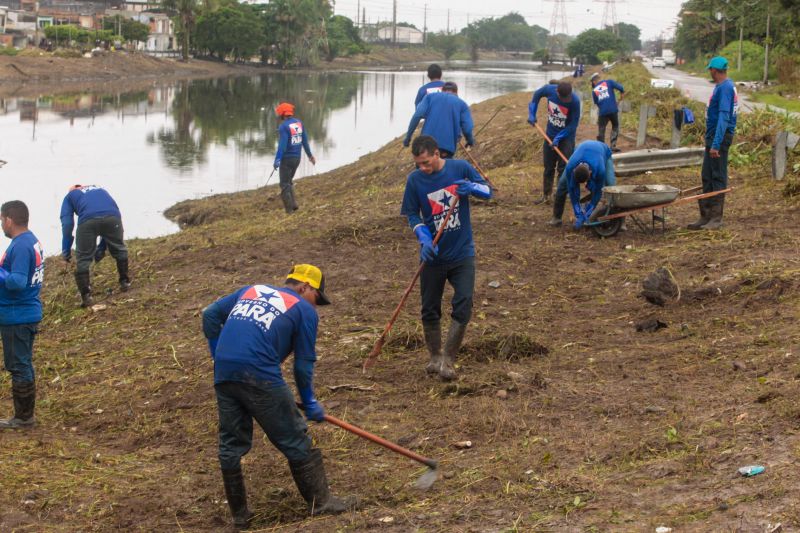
x: 185, y: 12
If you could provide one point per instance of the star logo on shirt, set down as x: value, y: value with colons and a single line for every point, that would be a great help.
x: 440, y: 200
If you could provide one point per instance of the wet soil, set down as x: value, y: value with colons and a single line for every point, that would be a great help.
x: 599, y: 427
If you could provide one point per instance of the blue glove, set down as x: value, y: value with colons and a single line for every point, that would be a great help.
x: 311, y: 406
x: 407, y: 141
x: 3, y: 274
x: 532, y: 122
x: 429, y: 251
x: 556, y: 140
x: 276, y: 165
x: 470, y: 141
x: 466, y: 187
x: 212, y: 346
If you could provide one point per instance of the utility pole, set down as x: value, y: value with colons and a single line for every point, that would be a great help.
x: 448, y: 21
x: 358, y: 11
x: 425, y: 26
x: 363, y: 17
x: 394, y: 22
x: 766, y: 48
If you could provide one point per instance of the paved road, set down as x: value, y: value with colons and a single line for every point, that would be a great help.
x: 698, y: 88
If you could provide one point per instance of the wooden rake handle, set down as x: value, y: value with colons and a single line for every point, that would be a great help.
x: 376, y: 350
x: 364, y: 434
x: 476, y: 165
x: 546, y: 138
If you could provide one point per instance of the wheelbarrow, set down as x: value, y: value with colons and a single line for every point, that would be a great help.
x: 627, y: 200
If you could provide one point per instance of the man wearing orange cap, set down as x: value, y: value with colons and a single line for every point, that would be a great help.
x: 291, y: 137
x: 250, y: 333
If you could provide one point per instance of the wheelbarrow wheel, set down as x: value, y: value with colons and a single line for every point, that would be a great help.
x: 609, y: 228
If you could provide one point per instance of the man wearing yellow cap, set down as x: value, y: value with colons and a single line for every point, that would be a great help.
x: 250, y: 333
x: 291, y: 137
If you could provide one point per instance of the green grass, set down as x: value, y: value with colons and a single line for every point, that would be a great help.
x: 789, y: 104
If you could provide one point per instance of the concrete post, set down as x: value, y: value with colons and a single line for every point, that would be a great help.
x: 784, y: 141
x: 677, y: 122
x: 645, y: 111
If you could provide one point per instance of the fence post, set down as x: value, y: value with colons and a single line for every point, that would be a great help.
x: 677, y: 123
x: 784, y: 141
x: 645, y: 111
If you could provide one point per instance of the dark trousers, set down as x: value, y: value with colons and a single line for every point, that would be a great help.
x: 715, y: 169
x: 602, y: 121
x: 18, y: 351
x: 286, y: 173
x: 553, y: 162
x: 110, y: 229
x: 461, y: 276
x: 275, y: 411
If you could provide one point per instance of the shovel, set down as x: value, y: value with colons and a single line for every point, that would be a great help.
x: 423, y: 483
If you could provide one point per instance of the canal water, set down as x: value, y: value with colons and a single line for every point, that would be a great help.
x: 190, y: 139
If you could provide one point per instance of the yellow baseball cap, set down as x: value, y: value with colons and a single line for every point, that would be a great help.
x: 313, y: 276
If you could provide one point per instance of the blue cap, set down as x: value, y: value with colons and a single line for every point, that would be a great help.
x: 719, y: 63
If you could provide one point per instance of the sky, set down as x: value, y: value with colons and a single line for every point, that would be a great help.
x: 651, y: 17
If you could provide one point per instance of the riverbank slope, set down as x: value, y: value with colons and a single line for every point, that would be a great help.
x: 597, y: 427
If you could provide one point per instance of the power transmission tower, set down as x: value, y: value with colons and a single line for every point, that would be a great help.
x: 610, y: 16
x: 557, y: 22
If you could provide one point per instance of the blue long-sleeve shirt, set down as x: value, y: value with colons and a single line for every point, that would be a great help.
x: 428, y: 197
x: 257, y: 327
x: 22, y: 267
x: 604, y: 97
x: 292, y: 137
x: 428, y: 88
x: 88, y: 202
x: 446, y: 117
x: 721, y: 114
x: 562, y: 117
x: 598, y: 156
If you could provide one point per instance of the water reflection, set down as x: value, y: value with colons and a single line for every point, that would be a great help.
x: 154, y: 147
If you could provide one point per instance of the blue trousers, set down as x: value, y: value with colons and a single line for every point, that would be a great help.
x: 18, y: 351
x: 275, y: 411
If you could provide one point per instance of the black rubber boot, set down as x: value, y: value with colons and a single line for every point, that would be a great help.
x: 455, y: 336
x: 309, y: 476
x: 295, y: 207
x: 124, y: 278
x: 84, y: 287
x: 716, y: 207
x: 24, y: 404
x: 433, y: 340
x: 543, y: 199
x: 237, y: 497
x: 287, y: 197
x: 704, y: 215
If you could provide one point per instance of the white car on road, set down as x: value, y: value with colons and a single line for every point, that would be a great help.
x: 659, y: 62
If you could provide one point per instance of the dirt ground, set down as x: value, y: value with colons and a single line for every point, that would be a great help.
x: 30, y: 75
x: 598, y: 428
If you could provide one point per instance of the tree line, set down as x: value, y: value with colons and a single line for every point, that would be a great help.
x: 707, y: 27
x: 283, y: 32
